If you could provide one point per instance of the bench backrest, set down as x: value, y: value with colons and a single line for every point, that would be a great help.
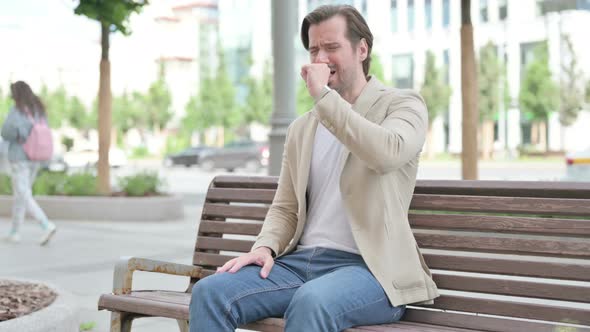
x: 497, y: 248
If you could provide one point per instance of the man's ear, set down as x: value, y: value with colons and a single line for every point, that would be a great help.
x: 363, y: 49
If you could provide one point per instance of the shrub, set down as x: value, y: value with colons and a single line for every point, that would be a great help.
x: 48, y: 183
x: 80, y: 184
x: 68, y: 142
x: 140, y: 152
x: 141, y: 184
x: 5, y: 185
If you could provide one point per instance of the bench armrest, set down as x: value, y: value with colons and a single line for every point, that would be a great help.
x: 123, y: 276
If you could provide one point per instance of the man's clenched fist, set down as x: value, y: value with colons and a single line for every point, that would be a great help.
x: 316, y: 76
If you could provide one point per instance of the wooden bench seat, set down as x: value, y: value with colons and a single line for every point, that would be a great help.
x: 507, y: 256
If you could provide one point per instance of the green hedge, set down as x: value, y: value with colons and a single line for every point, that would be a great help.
x: 85, y: 184
x: 142, y: 184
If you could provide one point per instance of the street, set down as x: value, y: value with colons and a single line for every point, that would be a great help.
x: 193, y: 180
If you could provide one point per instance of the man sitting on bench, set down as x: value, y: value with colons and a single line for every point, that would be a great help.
x: 336, y: 249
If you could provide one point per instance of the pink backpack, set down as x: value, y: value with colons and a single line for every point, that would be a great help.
x: 39, y: 144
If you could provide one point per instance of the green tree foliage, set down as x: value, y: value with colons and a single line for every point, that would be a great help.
x: 571, y: 94
x: 144, y: 111
x: 56, y: 102
x: 5, y: 104
x: 539, y: 95
x: 215, y: 104
x: 156, y: 103
x: 588, y: 92
x: 304, y: 100
x: 376, y: 68
x: 258, y: 107
x: 435, y: 90
x: 114, y: 13
x: 128, y: 112
x: 64, y: 109
x: 490, y: 74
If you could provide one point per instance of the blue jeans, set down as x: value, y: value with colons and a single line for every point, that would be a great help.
x: 313, y: 289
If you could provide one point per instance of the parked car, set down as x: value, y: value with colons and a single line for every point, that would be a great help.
x: 187, y: 157
x: 245, y: 154
x: 89, y: 158
x: 578, y: 166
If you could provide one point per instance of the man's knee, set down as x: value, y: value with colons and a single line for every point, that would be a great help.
x: 310, y: 307
x: 206, y: 290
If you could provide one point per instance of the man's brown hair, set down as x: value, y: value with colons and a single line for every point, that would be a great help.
x: 357, y: 27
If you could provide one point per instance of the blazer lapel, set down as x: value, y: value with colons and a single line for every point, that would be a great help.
x: 368, y: 97
x: 307, y: 140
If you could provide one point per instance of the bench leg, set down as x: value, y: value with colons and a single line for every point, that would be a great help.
x: 182, y: 325
x: 121, y: 322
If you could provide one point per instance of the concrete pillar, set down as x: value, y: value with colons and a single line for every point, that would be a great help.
x: 284, y: 27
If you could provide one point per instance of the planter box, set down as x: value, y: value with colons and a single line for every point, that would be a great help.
x: 157, y: 208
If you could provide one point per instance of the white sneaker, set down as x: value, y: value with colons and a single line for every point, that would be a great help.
x: 49, y: 232
x: 12, y: 238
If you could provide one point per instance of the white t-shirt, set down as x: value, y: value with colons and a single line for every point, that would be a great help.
x: 327, y: 224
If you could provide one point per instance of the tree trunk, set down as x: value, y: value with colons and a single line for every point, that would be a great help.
x: 543, y: 137
x: 104, y: 115
x: 487, y: 138
x: 535, y: 134
x: 469, y: 95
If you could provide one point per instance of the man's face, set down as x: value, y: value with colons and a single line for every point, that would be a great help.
x: 328, y: 44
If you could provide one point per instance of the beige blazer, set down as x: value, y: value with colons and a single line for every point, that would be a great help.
x: 383, y: 134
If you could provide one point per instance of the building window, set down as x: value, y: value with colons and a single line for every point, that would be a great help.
x: 411, y: 15
x: 446, y: 19
x: 502, y: 9
x: 403, y: 71
x: 483, y: 11
x: 393, y: 15
x: 428, y: 13
x: 364, y: 8
x: 549, y: 6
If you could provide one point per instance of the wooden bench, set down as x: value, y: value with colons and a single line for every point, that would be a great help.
x: 507, y: 256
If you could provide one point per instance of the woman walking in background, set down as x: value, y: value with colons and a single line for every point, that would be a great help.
x: 28, y: 111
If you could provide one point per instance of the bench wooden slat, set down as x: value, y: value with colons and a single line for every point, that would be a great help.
x: 513, y: 287
x: 512, y: 309
x: 240, y: 195
x: 509, y: 267
x: 504, y: 266
x: 278, y: 324
x: 549, y: 189
x: 213, y: 243
x: 518, y: 246
x: 234, y: 211
x: 145, y: 306
x: 470, y: 321
x: 502, y: 224
x: 224, y: 227
x: 208, y: 259
x: 233, y: 181
x: 536, y: 206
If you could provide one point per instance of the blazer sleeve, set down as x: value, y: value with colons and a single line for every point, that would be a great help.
x: 281, y: 220
x: 384, y: 147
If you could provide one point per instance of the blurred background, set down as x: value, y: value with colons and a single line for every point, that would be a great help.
x: 192, y: 82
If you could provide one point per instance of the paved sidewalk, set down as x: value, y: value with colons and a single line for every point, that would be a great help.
x: 80, y: 259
